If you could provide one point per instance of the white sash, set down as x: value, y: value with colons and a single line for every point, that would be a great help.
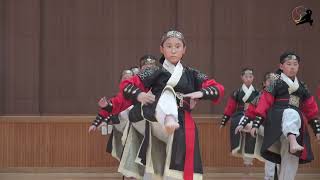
x: 167, y: 104
x: 293, y: 85
x: 176, y: 72
x: 247, y: 91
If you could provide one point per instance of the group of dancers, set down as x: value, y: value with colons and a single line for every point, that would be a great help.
x: 154, y: 135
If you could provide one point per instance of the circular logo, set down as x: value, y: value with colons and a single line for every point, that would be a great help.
x: 297, y: 13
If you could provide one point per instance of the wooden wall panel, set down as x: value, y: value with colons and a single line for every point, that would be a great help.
x: 2, y: 61
x: 254, y: 34
x: 86, y: 44
x: 197, y: 28
x: 51, y: 142
x: 58, y: 57
x: 63, y: 141
x: 21, y: 57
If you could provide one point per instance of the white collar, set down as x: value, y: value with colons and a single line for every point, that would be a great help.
x: 293, y: 85
x: 169, y: 66
x: 247, y: 91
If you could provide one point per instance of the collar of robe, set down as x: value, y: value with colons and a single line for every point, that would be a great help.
x: 293, y: 85
x: 247, y: 91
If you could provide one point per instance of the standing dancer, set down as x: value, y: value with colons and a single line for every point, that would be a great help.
x: 176, y: 153
x: 287, y: 106
x: 237, y: 104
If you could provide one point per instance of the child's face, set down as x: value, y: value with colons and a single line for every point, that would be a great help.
x: 267, y: 82
x: 173, y: 50
x: 247, y: 79
x: 290, y: 68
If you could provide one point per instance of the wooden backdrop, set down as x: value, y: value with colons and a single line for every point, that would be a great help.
x: 57, y: 57
x: 63, y: 141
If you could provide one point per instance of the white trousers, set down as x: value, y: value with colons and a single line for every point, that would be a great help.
x: 289, y: 162
x: 291, y: 122
x: 269, y: 170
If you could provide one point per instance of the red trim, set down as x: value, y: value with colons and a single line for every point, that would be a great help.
x: 309, y: 108
x: 190, y: 140
x: 230, y: 107
x: 103, y: 113
x: 265, y: 102
x: 250, y: 112
x: 304, y: 153
x: 119, y: 102
x: 212, y: 82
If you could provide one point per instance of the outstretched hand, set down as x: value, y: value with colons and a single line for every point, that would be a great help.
x: 238, y: 129
x: 146, y: 98
x: 254, y: 132
x: 92, y: 128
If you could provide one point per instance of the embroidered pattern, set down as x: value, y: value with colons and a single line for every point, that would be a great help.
x: 199, y: 75
x: 294, y: 100
x: 147, y: 72
x: 274, y: 79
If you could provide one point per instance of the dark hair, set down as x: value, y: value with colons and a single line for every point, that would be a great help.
x: 288, y: 55
x: 246, y: 69
x: 162, y: 58
x: 266, y: 76
x: 278, y: 71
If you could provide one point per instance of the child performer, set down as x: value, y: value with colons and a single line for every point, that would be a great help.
x: 173, y: 85
x: 235, y: 108
x: 290, y: 106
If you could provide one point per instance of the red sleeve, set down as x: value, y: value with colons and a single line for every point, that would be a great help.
x: 136, y: 81
x: 211, y: 82
x: 251, y: 111
x: 119, y: 102
x: 265, y: 102
x: 104, y: 113
x: 310, y: 108
x: 231, y: 106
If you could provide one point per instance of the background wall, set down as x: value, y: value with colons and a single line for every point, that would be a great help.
x: 58, y: 57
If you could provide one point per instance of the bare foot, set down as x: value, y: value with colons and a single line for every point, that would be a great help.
x: 170, y: 125
x: 294, y: 146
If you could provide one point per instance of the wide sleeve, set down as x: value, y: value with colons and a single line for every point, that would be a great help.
x: 265, y: 102
x: 309, y: 108
x: 231, y: 106
x: 211, y: 89
x: 142, y: 82
x: 129, y: 89
x: 251, y: 111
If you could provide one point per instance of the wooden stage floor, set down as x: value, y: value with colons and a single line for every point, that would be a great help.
x: 111, y: 174
x: 116, y: 176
